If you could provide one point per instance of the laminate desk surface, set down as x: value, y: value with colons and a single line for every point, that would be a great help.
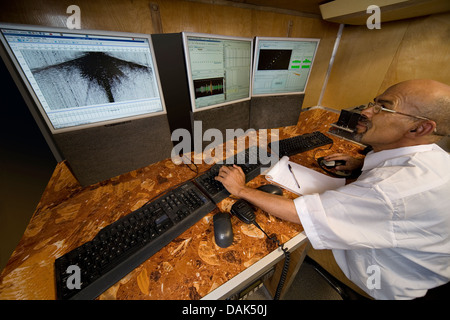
x: 190, y: 267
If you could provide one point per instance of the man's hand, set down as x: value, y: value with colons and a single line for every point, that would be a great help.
x: 350, y: 162
x: 232, y: 178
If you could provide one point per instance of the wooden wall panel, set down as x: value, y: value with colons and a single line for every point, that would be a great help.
x: 361, y: 63
x: 178, y: 16
x: 114, y: 15
x: 369, y: 61
x: 424, y: 52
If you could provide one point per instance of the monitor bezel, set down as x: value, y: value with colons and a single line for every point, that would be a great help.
x: 185, y: 36
x: 16, y: 70
x: 256, y: 60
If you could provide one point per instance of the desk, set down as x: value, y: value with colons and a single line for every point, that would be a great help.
x: 191, y: 267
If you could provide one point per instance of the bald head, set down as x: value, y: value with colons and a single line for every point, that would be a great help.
x: 427, y: 98
x: 416, y: 112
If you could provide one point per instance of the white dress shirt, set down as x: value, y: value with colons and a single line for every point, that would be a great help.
x: 390, y: 229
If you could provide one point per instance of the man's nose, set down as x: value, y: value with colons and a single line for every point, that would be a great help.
x: 368, y: 113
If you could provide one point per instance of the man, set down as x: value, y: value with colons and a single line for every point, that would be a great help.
x: 390, y: 229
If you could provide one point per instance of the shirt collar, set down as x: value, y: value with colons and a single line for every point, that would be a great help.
x: 375, y: 159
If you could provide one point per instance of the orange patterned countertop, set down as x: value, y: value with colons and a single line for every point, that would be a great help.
x: 190, y: 267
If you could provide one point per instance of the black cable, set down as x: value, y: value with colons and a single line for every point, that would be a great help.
x: 287, y: 259
x: 322, y: 149
x: 194, y: 171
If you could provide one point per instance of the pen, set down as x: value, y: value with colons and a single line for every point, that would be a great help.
x: 293, y: 175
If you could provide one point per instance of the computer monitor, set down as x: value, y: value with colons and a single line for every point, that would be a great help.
x: 84, y: 78
x: 219, y: 69
x: 282, y: 66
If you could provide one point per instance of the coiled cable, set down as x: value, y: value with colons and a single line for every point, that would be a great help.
x: 287, y: 259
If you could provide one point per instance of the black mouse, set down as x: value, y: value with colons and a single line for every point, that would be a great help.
x: 330, y: 164
x: 223, y: 230
x: 271, y: 188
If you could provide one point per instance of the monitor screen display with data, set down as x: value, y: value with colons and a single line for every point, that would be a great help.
x: 219, y: 69
x: 282, y: 65
x: 80, y: 78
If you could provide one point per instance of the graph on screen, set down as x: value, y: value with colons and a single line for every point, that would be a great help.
x: 219, y: 69
x: 81, y: 78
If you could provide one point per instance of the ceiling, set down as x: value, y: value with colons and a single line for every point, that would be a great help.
x: 351, y: 12
x: 345, y: 11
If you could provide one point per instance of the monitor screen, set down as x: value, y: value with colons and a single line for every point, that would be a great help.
x: 219, y: 69
x: 282, y: 65
x: 81, y: 78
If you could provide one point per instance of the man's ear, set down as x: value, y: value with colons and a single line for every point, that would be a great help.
x: 422, y: 129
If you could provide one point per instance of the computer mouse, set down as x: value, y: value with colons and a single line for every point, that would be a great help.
x: 330, y: 168
x: 223, y: 230
x: 271, y: 188
x: 330, y: 164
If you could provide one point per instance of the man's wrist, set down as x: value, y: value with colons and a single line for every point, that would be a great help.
x: 243, y: 192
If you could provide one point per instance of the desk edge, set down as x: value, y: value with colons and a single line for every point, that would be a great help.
x: 255, y: 270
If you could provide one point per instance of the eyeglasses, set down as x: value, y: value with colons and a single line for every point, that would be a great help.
x: 377, y: 108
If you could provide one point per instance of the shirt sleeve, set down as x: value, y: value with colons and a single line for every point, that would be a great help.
x: 351, y: 217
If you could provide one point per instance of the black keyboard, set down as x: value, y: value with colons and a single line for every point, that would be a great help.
x: 123, y: 245
x: 248, y: 160
x: 302, y: 143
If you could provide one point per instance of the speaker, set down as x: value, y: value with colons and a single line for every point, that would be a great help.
x: 99, y: 153
x: 234, y: 116
x: 169, y: 54
x: 275, y: 111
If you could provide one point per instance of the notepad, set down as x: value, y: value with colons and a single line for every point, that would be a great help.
x: 310, y: 180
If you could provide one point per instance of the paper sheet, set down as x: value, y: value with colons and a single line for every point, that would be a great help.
x: 310, y: 180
